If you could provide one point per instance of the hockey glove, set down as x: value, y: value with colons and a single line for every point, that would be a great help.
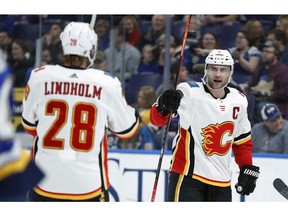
x: 247, y: 179
x: 169, y: 101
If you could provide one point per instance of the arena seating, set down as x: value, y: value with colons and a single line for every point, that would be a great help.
x: 137, y: 81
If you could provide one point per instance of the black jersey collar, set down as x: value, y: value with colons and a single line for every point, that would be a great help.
x: 227, y: 91
x: 70, y: 67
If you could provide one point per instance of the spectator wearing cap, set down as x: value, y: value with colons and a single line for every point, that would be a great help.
x: 271, y: 135
x: 269, y: 84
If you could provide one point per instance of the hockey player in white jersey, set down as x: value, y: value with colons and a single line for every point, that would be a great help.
x: 68, y: 109
x: 213, y: 124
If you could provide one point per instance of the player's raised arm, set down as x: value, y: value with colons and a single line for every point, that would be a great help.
x: 166, y: 103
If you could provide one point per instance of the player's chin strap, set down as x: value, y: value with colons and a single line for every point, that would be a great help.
x: 205, y: 81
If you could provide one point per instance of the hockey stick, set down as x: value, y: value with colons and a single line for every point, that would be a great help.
x: 182, y: 50
x: 93, y: 20
x: 281, y: 187
x: 164, y: 137
x: 104, y: 193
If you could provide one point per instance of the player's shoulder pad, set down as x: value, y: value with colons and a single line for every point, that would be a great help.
x: 237, y: 92
x: 193, y: 84
x: 36, y: 71
x: 241, y: 93
x: 110, y: 79
x: 109, y: 74
x: 106, y: 74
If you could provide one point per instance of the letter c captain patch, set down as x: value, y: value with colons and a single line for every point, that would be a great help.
x: 27, y: 91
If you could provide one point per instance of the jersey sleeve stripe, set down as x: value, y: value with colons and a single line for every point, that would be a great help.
x: 103, y: 158
x: 84, y: 196
x: 29, y: 127
x: 27, y: 123
x: 242, y: 138
x: 126, y: 134
x: 212, y: 182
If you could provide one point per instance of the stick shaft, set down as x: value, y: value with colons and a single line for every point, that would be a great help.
x: 93, y: 20
x: 164, y: 137
x: 182, y: 50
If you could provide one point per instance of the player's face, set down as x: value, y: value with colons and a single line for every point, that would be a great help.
x: 218, y: 76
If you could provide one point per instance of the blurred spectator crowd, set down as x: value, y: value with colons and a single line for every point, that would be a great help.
x: 133, y: 48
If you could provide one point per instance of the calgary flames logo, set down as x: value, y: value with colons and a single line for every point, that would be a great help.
x: 217, y: 138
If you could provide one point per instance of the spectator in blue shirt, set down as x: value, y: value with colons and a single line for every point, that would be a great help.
x: 148, y: 62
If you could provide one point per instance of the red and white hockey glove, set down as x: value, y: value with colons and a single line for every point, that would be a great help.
x: 247, y: 179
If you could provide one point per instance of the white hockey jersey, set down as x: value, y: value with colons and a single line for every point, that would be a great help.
x: 70, y: 109
x: 209, y: 129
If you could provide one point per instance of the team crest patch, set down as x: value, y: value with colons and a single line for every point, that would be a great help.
x: 217, y: 138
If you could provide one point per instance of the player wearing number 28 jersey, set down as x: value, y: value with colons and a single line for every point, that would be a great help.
x: 68, y: 109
